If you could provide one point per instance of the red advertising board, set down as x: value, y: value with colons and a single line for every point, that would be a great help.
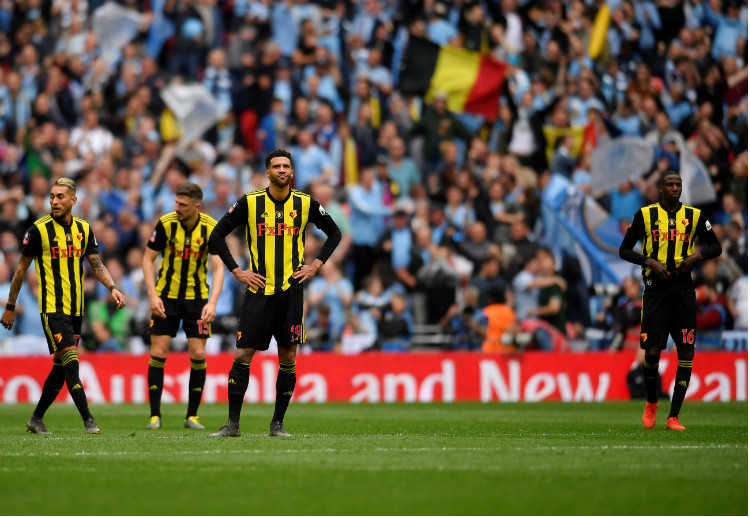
x: 427, y: 377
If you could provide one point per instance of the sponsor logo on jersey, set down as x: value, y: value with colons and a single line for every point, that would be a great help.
x: 277, y: 229
x: 671, y: 235
x: 67, y: 252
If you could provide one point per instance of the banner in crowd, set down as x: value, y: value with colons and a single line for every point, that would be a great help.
x: 439, y: 377
x: 472, y: 82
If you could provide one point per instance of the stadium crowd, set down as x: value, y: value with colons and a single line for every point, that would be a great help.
x: 440, y: 211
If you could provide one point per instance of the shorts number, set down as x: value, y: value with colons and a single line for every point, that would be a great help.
x: 296, y: 332
x: 688, y: 337
x: 202, y: 328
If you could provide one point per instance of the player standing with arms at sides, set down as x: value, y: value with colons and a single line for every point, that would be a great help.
x: 58, y: 242
x: 668, y: 231
x: 275, y: 219
x: 181, y: 293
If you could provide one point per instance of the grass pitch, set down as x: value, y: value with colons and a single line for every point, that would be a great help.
x: 352, y: 459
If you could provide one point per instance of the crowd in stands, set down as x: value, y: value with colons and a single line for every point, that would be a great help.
x: 440, y: 211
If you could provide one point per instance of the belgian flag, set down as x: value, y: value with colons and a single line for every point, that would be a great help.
x: 473, y: 82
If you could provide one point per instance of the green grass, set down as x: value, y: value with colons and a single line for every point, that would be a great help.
x: 446, y: 459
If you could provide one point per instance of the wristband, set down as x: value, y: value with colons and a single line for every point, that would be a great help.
x: 112, y: 288
x: 10, y: 306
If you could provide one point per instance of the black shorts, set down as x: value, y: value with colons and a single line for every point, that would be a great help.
x: 189, y: 311
x: 278, y: 315
x: 668, y: 312
x: 61, y: 330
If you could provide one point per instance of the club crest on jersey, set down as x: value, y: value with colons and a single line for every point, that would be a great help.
x: 58, y: 337
x: 685, y: 222
x: 199, y: 241
x: 26, y: 238
x: 239, y: 335
x: 644, y: 337
x: 293, y: 214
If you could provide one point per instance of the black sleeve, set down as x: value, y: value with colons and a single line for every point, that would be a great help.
x: 158, y: 239
x: 320, y: 218
x: 31, y: 245
x: 92, y: 247
x: 217, y: 244
x: 710, y: 246
x: 635, y: 232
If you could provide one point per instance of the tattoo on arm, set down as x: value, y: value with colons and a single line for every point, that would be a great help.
x: 100, y: 270
x: 15, y: 285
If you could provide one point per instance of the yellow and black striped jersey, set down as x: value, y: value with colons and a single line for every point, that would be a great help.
x: 58, y: 253
x: 669, y: 238
x: 275, y: 232
x: 183, y: 274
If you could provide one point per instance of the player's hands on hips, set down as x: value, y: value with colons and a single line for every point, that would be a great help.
x: 8, y: 318
x: 118, y: 298
x: 157, y: 307
x: 208, y: 314
x: 305, y: 272
x: 250, y: 278
x: 658, y: 269
x: 689, y: 263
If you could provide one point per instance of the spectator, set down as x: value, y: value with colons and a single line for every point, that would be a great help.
x: 551, y: 308
x: 368, y: 223
x: 499, y: 325
x: 334, y: 291
x: 395, y: 328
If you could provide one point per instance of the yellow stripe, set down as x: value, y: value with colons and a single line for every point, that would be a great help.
x: 69, y: 357
x: 289, y: 368
x: 455, y: 72
x: 48, y: 332
x: 650, y: 366
x: 270, y: 244
x: 251, y: 232
x: 156, y: 364
x: 197, y: 366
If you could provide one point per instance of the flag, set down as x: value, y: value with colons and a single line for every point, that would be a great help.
x: 616, y: 161
x: 697, y: 185
x: 473, y: 82
x: 553, y: 134
x: 115, y: 26
x: 195, y: 109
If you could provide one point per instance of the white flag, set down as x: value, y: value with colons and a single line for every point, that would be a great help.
x: 619, y: 160
x: 697, y: 187
x: 194, y: 107
x: 115, y: 26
